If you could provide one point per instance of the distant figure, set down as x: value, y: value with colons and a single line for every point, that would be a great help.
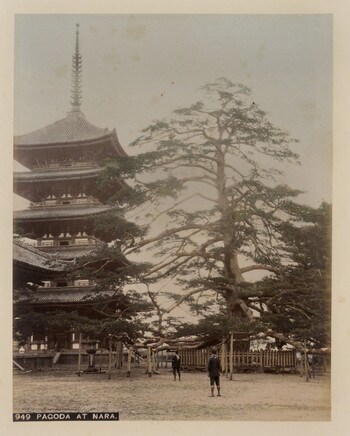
x: 214, y: 369
x: 176, y: 364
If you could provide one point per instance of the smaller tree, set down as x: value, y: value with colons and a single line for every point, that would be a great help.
x: 298, y: 303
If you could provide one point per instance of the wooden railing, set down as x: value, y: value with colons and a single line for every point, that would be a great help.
x: 262, y: 359
x: 194, y: 358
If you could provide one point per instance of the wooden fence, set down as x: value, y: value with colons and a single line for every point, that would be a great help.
x: 265, y: 359
x: 194, y: 358
x: 254, y: 360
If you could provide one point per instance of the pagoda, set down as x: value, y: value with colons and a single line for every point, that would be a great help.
x: 64, y: 160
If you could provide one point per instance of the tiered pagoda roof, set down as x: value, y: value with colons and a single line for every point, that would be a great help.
x: 39, y: 184
x: 30, y: 258
x: 73, y: 132
x: 32, y: 265
x: 63, y: 296
x: 53, y: 175
x: 73, y: 128
x: 64, y: 158
x: 60, y: 212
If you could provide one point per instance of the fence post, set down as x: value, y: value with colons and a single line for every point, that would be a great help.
x: 149, y: 372
x: 306, y: 363
x: 223, y: 356
x: 129, y: 362
x: 101, y: 356
x: 227, y: 361
x: 79, y: 354
x: 110, y: 358
x: 231, y: 356
x: 118, y: 355
x: 153, y: 361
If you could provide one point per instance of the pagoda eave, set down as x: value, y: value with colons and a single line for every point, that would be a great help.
x: 107, y: 139
x: 101, y: 148
x: 34, y: 186
x: 55, y: 175
x: 60, y: 213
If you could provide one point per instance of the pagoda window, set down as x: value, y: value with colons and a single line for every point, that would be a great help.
x: 82, y: 200
x: 61, y: 284
x: 63, y: 243
x: 66, y: 202
x: 47, y: 284
x: 50, y: 202
x: 81, y: 241
x: 81, y: 282
x: 48, y: 243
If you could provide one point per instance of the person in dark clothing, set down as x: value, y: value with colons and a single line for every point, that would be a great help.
x: 176, y: 364
x: 214, y: 369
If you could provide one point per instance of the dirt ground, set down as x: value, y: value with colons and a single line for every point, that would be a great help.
x: 249, y: 397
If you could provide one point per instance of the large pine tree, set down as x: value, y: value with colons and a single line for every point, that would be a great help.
x: 205, y: 186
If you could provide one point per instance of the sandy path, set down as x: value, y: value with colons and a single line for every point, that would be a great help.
x: 262, y: 397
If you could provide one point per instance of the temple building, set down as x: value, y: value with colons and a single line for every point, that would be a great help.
x: 64, y: 159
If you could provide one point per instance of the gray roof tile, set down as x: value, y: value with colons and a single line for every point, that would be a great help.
x: 56, y: 212
x: 26, y: 254
x: 71, y: 295
x: 73, y: 128
x: 70, y: 251
x: 50, y: 175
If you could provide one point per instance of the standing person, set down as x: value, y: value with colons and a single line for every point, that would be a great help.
x: 214, y: 369
x: 176, y: 364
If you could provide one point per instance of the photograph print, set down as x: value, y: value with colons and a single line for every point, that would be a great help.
x: 172, y: 217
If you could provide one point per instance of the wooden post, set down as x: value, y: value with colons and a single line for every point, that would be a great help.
x: 149, y: 362
x: 110, y: 358
x: 153, y: 361
x: 101, y: 356
x: 156, y: 360
x: 129, y: 362
x: 119, y: 354
x: 306, y: 364
x: 79, y: 354
x: 227, y: 364
x: 223, y: 356
x: 231, y: 356
x: 166, y: 358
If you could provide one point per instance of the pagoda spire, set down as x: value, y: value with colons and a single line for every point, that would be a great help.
x: 77, y: 68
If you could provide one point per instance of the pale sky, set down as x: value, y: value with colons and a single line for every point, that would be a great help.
x: 137, y: 68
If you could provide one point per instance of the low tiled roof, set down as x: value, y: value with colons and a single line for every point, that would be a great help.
x: 56, y: 212
x: 32, y: 257
x: 71, y: 295
x: 50, y: 175
x: 73, y: 128
x: 72, y: 251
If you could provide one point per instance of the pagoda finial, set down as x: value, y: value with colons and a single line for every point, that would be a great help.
x: 76, y: 97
